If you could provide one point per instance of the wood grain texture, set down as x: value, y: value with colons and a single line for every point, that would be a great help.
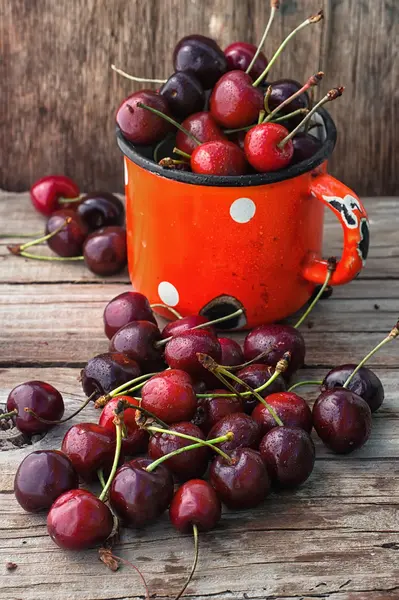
x: 59, y: 95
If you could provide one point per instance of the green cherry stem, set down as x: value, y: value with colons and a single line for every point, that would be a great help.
x: 101, y: 479
x: 229, y: 436
x: 102, y: 400
x: 64, y: 200
x: 194, y: 565
x: 118, y: 422
x: 170, y: 120
x: 169, y: 308
x: 8, y: 415
x: 267, y: 98
x: 301, y: 383
x: 181, y: 153
x: 134, y: 78
x: 311, y: 82
x: 20, y: 248
x: 391, y: 336
x: 82, y: 406
x: 50, y: 258
x: 274, y: 6
x: 313, y: 19
x: 295, y: 113
x: 331, y: 266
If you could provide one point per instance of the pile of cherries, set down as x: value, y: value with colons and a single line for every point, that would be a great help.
x: 189, y: 420
x: 229, y: 120
x: 88, y: 227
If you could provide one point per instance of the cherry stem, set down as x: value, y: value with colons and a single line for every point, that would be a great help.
x: 229, y: 436
x: 124, y: 404
x: 8, y: 415
x: 313, y: 19
x: 331, y: 266
x: 118, y: 422
x: 169, y: 308
x: 299, y: 111
x: 102, y: 400
x: 194, y: 565
x: 181, y: 153
x: 391, y: 336
x: 301, y: 383
x: 40, y: 240
x: 85, y: 403
x: 134, y: 78
x: 249, y: 362
x: 311, y: 82
x: 105, y: 553
x: 274, y: 5
x: 261, y: 116
x: 170, y: 163
x: 329, y: 97
x: 49, y: 258
x: 236, y: 313
x: 64, y: 200
x: 100, y: 476
x: 170, y: 120
x: 311, y: 104
x: 267, y: 98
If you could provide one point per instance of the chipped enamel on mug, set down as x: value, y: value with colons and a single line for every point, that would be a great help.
x: 210, y: 244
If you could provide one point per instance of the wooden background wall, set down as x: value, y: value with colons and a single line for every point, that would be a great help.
x: 59, y: 96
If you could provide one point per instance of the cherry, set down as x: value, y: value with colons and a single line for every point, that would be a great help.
x: 136, y: 439
x: 70, y: 239
x: 183, y: 93
x: 218, y: 158
x: 342, y: 420
x: 124, y: 309
x: 139, y: 497
x: 305, y: 146
x: 40, y: 397
x: 234, y: 102
x: 211, y: 410
x: 262, y: 149
x: 203, y: 127
x: 107, y: 371
x: 239, y: 56
x: 137, y: 339
x: 202, y: 56
x: 177, y: 327
x: 246, y: 432
x: 170, y: 396
x: 139, y: 125
x: 232, y: 354
x: 278, y: 339
x: 291, y: 408
x: 186, y: 465
x: 289, y: 455
x: 181, y: 351
x: 90, y: 447
x: 47, y: 191
x: 79, y: 520
x: 105, y: 251
x: 42, y: 476
x: 364, y: 383
x: 282, y: 89
x: 195, y: 503
x: 101, y: 209
x: 256, y: 376
x: 243, y: 483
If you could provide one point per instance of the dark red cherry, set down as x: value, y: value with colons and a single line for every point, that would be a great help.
x: 42, y: 398
x: 124, y: 309
x: 246, y: 432
x: 202, y: 126
x: 107, y: 371
x: 47, y: 191
x: 41, y: 477
x: 195, y: 503
x: 186, y: 465
x: 342, y: 420
x: 105, y: 251
x: 255, y: 376
x: 291, y: 408
x: 202, y: 56
x: 101, y: 209
x: 364, y: 383
x: 137, y: 340
x: 211, y: 410
x: 139, y: 497
x: 305, y: 146
x: 234, y: 101
x: 79, y: 520
x: 283, y: 89
x: 90, y: 447
x: 239, y: 56
x: 177, y: 327
x: 278, y: 339
x: 232, y: 354
x: 289, y: 455
x: 184, y: 94
x: 181, y: 351
x: 136, y: 439
x: 139, y: 125
x: 262, y: 149
x: 243, y: 483
x: 218, y: 158
x: 69, y: 241
x: 169, y: 396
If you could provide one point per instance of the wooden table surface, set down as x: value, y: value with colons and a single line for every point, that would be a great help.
x: 336, y: 537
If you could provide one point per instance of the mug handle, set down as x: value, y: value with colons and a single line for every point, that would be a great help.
x: 354, y: 221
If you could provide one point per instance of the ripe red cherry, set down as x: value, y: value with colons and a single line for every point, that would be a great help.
x: 202, y: 56
x: 239, y: 56
x: 289, y: 455
x: 177, y: 327
x: 255, y: 376
x: 89, y: 447
x: 232, y: 354
x: 137, y: 340
x: 136, y: 439
x: 187, y: 465
x: 291, y: 408
x: 305, y: 146
x: 105, y: 250
x: 139, y: 497
x: 183, y: 93
x: 169, y: 396
x: 46, y: 192
x: 195, y: 503
x: 364, y: 383
x: 262, y: 150
x: 41, y: 477
x: 246, y: 432
x: 139, y: 125
x: 243, y: 483
x: 342, y: 420
x: 181, y: 351
x: 40, y: 397
x: 218, y: 158
x: 211, y: 410
x: 101, y: 209
x: 105, y: 372
x: 69, y: 241
x: 124, y: 309
x: 79, y: 520
x: 234, y: 101
x: 203, y: 126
